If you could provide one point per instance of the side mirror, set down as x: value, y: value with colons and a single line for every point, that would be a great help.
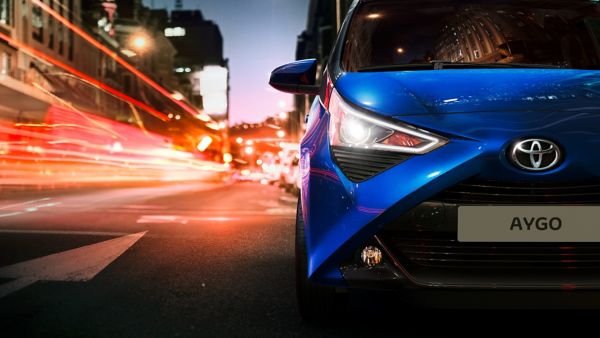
x: 296, y: 78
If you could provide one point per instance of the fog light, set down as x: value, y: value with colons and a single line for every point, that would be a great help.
x: 371, y: 256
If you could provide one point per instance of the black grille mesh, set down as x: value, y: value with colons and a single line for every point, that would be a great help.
x: 494, y: 192
x: 444, y: 251
x: 361, y: 164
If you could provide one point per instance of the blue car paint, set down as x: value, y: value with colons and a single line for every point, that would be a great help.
x: 472, y: 90
x: 300, y: 72
x: 493, y: 108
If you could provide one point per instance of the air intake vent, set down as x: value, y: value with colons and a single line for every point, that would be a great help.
x: 361, y: 164
x: 493, y: 192
x: 440, y: 250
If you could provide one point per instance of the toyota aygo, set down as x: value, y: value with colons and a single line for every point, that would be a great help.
x: 452, y: 154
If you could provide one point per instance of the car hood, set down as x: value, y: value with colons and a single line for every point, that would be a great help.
x: 402, y: 93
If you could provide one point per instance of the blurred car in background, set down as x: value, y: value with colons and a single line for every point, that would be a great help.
x: 289, y: 178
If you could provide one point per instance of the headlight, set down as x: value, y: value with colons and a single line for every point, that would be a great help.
x: 351, y: 128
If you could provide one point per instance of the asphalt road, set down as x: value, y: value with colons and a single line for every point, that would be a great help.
x: 196, y: 260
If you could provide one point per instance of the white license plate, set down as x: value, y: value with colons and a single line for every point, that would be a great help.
x: 529, y: 224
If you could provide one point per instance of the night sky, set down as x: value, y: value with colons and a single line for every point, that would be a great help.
x: 258, y: 35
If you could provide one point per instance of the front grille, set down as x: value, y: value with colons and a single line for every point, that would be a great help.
x: 361, y: 164
x: 442, y: 250
x: 495, y: 192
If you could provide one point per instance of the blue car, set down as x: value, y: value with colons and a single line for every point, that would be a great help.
x: 452, y: 155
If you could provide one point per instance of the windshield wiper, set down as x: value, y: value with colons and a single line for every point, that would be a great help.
x: 439, y: 65
x: 407, y: 66
x: 498, y: 65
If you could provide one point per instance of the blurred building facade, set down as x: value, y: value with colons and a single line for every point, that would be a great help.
x: 478, y: 33
x: 24, y: 24
x: 44, y: 61
x: 201, y: 69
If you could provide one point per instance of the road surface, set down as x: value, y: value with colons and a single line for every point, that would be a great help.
x: 193, y: 260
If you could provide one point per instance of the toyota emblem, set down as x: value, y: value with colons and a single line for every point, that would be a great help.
x: 535, y: 154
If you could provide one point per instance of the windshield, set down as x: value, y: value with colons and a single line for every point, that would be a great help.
x: 385, y: 35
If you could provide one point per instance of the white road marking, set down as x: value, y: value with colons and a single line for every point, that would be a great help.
x: 15, y: 285
x: 4, y: 207
x: 29, y: 209
x: 161, y: 219
x: 62, y: 232
x: 181, y: 219
x: 11, y: 214
x: 76, y: 265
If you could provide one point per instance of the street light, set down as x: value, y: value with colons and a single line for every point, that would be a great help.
x: 139, y: 42
x: 280, y: 133
x: 249, y: 150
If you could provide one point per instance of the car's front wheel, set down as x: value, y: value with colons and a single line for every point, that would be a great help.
x: 317, y: 303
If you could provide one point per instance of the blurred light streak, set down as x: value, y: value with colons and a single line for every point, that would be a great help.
x: 213, y: 126
x: 30, y: 209
x: 4, y: 207
x: 203, y: 117
x: 112, y: 54
x: 67, y: 104
x: 204, y: 143
x: 60, y: 151
x: 11, y: 214
x: 72, y: 146
x: 138, y: 119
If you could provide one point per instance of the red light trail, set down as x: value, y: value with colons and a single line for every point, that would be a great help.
x: 32, y: 51
x: 66, y: 149
x: 71, y: 146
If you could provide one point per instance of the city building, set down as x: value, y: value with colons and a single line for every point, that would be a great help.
x: 325, y: 18
x: 143, y: 35
x: 479, y: 34
x: 24, y: 24
x: 45, y: 64
x: 139, y: 33
x: 200, y: 66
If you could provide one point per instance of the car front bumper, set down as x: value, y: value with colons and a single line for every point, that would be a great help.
x: 343, y: 215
